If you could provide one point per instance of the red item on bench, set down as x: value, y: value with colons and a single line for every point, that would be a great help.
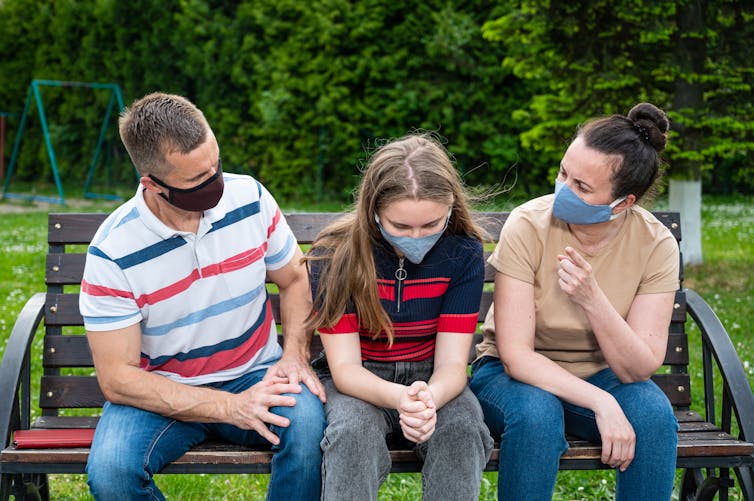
x: 53, y: 438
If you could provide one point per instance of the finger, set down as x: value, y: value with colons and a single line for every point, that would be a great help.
x: 425, y: 396
x: 280, y: 388
x: 630, y: 452
x: 294, y: 375
x: 411, y: 434
x: 273, y: 375
x: 416, y: 387
x: 412, y: 407
x: 267, y: 434
x: 315, y: 386
x: 279, y: 401
x: 574, y: 256
x: 274, y: 419
x: 411, y: 421
x: 607, y: 449
x: 423, y: 415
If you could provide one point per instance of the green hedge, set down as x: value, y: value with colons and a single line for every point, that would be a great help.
x: 298, y: 93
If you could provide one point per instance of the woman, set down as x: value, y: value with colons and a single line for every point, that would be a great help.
x: 584, y: 292
x: 396, y: 286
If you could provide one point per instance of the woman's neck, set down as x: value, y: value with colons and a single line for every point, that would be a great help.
x: 594, y: 237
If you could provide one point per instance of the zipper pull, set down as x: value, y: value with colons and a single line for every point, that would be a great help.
x: 400, y: 276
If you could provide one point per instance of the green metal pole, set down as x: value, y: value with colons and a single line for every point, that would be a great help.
x: 102, y: 131
x: 119, y: 97
x: 48, y: 140
x: 17, y: 142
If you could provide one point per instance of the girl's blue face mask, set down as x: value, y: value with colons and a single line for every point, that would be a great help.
x: 569, y: 207
x: 414, y: 248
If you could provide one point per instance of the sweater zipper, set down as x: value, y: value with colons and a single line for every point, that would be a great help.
x: 400, y: 276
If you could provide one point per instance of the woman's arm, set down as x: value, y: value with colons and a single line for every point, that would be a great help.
x: 633, y: 348
x: 515, y: 327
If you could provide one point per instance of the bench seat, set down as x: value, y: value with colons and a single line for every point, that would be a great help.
x: 715, y: 447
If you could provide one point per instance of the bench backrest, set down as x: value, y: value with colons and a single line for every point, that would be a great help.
x: 68, y: 380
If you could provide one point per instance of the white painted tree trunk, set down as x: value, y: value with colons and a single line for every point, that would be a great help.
x: 686, y: 198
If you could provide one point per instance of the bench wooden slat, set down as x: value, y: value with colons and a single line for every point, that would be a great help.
x: 676, y: 387
x: 60, y: 392
x: 64, y: 269
x: 73, y: 228
x: 62, y: 309
x: 66, y: 351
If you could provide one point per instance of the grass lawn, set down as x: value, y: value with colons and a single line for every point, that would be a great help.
x: 725, y: 280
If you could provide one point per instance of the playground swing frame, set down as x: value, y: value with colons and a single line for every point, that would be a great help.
x: 34, y: 92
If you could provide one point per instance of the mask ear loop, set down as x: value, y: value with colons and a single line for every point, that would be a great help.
x: 612, y: 206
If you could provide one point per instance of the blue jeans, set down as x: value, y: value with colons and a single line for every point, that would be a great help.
x: 131, y: 445
x: 531, y: 425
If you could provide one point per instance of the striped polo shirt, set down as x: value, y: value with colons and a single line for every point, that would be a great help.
x: 441, y: 294
x: 200, y: 298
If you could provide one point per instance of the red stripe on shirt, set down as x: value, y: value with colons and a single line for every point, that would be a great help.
x: 274, y: 223
x: 231, y: 264
x: 98, y: 290
x: 424, y: 291
x: 347, y: 324
x: 221, y: 360
x: 462, y: 323
x: 378, y: 351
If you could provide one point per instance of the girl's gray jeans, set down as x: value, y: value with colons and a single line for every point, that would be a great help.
x: 355, y: 446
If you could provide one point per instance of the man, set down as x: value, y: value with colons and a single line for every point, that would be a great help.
x: 179, y: 322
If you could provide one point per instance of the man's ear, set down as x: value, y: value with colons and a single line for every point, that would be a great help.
x: 150, y: 185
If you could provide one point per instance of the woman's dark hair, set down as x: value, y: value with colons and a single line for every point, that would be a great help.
x: 637, y: 139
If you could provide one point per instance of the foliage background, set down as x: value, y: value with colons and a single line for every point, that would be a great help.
x: 298, y: 93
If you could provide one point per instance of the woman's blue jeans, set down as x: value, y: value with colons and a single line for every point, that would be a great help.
x: 131, y: 445
x: 531, y: 425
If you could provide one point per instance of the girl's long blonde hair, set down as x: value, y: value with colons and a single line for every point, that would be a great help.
x: 415, y: 167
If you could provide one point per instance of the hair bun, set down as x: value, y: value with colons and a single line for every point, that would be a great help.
x: 651, y: 124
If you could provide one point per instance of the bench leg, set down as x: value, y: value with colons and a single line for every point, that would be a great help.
x: 746, y: 482
x: 24, y: 488
x: 696, y: 487
x: 6, y: 482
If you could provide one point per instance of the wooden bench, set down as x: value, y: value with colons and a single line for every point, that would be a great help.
x: 709, y: 447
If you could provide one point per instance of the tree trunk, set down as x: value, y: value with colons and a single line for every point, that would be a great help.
x: 688, y: 101
x: 686, y: 197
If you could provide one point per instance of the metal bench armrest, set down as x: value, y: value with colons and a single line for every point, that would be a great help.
x: 15, y: 360
x: 737, y: 391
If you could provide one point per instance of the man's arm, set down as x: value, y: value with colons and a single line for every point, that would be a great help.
x: 116, y: 356
x: 295, y: 305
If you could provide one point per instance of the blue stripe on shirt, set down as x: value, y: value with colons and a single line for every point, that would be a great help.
x: 276, y: 258
x: 150, y: 252
x: 108, y: 320
x: 211, y: 311
x: 236, y: 215
x: 206, y: 351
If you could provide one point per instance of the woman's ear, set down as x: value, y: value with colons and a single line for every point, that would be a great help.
x: 625, y: 203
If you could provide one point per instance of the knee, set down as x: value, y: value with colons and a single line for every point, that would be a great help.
x: 461, y: 424
x: 356, y: 434
x: 648, y: 410
x: 537, y: 412
x: 306, y: 421
x: 108, y: 470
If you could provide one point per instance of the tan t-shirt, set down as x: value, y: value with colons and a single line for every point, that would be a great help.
x: 642, y: 259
